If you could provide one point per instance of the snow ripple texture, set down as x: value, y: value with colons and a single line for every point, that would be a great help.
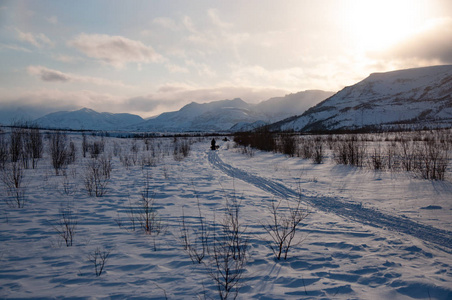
x: 355, y: 212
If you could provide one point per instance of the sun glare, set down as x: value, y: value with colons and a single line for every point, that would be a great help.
x: 376, y: 25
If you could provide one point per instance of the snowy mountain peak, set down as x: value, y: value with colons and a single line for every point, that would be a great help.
x: 87, y: 110
x: 235, y: 114
x: 420, y: 97
x: 86, y: 118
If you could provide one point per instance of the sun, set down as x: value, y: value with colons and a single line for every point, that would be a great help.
x: 376, y: 25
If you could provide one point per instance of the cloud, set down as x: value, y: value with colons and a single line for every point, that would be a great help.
x: 219, y: 36
x: 52, y: 100
x: 290, y: 76
x: 166, y: 23
x: 14, y: 47
x: 202, y: 68
x: 431, y: 44
x: 38, y: 40
x: 52, y: 20
x: 176, y: 69
x: 215, y: 19
x: 114, y: 50
x: 66, y: 58
x: 50, y: 75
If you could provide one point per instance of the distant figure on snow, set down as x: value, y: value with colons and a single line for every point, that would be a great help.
x: 213, y: 146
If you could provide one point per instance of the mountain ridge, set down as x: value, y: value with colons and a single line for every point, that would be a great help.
x: 414, y: 98
x: 418, y: 97
x: 231, y: 115
x: 87, y: 118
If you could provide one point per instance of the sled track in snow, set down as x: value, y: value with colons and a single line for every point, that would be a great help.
x: 367, y: 216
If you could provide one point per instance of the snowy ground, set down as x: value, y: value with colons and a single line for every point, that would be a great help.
x: 352, y: 246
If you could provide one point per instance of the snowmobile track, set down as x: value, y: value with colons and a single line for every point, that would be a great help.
x: 355, y: 212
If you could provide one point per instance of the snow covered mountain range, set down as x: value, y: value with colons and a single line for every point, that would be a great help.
x: 420, y: 97
x: 86, y: 118
x: 236, y: 114
x: 207, y: 117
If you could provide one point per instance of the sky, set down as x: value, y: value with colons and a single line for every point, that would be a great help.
x: 148, y: 57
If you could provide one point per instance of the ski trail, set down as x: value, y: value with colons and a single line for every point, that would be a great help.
x: 355, y: 212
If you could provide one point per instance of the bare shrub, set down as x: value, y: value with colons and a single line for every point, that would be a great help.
x: 181, y: 149
x: 195, y: 242
x: 407, y: 152
x: 4, y: 151
x: 131, y: 215
x: 228, y: 252
x: 84, y: 144
x: 392, y: 159
x: 58, y: 151
x: 12, y: 177
x: 221, y: 247
x: 433, y: 159
x: 165, y: 170
x: 71, y: 153
x: 143, y: 212
x: 288, y: 144
x: 69, y: 186
x: 116, y: 149
x: 106, y: 165
x: 25, y: 143
x: 305, y: 148
x: 149, y: 145
x: 311, y: 148
x: 148, y: 160
x: 96, y: 148
x: 16, y: 144
x: 33, y: 144
x: 376, y: 159
x: 319, y: 153
x: 97, y: 176
x: 350, y: 151
x: 147, y: 214
x: 282, y: 228
x: 99, y: 258
x: 66, y: 224
x: 130, y: 211
x: 126, y: 160
x: 261, y: 138
x: 134, y: 149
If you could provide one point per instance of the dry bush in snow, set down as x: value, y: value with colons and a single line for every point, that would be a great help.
x: 99, y: 258
x: 350, y: 150
x: 228, y: 251
x: 12, y: 176
x: 432, y: 159
x: 33, y: 144
x: 97, y: 175
x: 66, y: 224
x: 147, y: 214
x: 181, y: 149
x: 4, y: 151
x: 288, y: 144
x: 283, y: 225
x: 59, y: 152
x: 195, y: 241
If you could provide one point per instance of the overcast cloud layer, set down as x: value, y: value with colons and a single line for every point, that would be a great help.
x: 148, y: 57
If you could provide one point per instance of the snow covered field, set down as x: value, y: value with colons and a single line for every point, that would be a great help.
x: 369, y: 234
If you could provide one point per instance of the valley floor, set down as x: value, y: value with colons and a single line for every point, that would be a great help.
x: 368, y: 235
